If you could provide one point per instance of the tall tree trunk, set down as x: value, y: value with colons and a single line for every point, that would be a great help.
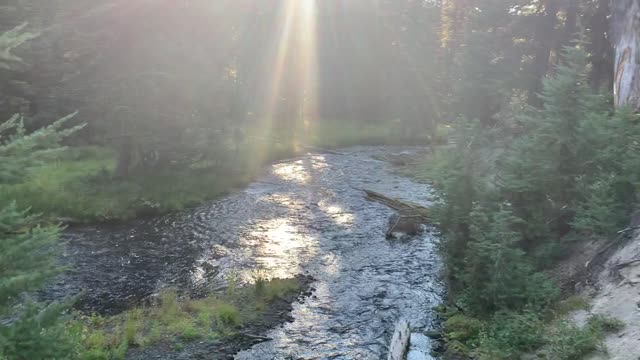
x: 125, y: 155
x: 570, y: 24
x: 544, y: 36
x: 626, y: 31
x: 600, y: 47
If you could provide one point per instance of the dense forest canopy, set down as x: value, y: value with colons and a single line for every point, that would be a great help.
x: 528, y: 109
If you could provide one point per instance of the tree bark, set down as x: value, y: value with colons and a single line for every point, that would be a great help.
x: 125, y: 155
x: 544, y: 36
x: 626, y: 31
x: 600, y: 47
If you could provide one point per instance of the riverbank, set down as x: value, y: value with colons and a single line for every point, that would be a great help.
x: 79, y: 186
x: 301, y: 216
x: 219, y: 325
x: 548, y: 329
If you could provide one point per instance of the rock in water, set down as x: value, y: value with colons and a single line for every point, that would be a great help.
x: 403, y: 225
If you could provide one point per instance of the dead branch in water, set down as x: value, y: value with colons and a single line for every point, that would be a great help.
x: 404, y: 208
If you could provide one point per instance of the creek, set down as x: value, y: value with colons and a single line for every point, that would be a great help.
x: 301, y: 216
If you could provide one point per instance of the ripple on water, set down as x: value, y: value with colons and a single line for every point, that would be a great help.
x: 304, y: 216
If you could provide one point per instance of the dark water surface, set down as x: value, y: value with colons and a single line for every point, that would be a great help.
x: 302, y: 216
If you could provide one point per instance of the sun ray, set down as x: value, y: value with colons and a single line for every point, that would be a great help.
x: 294, y: 65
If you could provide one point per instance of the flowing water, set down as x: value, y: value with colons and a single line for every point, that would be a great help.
x: 302, y: 216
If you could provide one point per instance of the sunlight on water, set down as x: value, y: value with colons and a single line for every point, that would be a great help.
x: 336, y: 212
x: 294, y: 172
x: 281, y: 247
x: 318, y: 162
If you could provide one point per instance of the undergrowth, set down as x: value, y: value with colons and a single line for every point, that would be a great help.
x: 514, y: 195
x: 79, y: 185
x: 175, y: 321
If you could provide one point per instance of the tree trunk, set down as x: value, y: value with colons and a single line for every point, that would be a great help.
x: 125, y: 156
x: 570, y: 24
x: 545, y: 31
x: 626, y: 41
x: 600, y: 47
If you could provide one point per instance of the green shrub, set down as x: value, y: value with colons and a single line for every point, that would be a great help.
x: 279, y: 289
x: 497, y: 275
x: 514, y: 191
x: 567, y: 341
x: 228, y: 315
x: 509, y: 334
x: 462, y: 328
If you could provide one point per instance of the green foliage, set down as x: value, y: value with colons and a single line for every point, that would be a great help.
x: 539, y: 173
x: 276, y: 289
x: 27, y: 251
x: 37, y: 333
x: 10, y: 40
x: 174, y: 320
x: 566, y: 341
x: 601, y: 211
x: 78, y: 183
x: 514, y: 192
x: 27, y: 254
x: 19, y: 150
x: 462, y: 328
x: 497, y: 274
x: 510, y: 334
x: 228, y: 315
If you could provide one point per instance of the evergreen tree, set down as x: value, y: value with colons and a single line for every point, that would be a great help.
x: 539, y: 173
x: 497, y: 274
x: 27, y: 251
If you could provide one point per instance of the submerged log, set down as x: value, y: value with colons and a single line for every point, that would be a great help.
x: 406, y: 209
x: 400, y: 341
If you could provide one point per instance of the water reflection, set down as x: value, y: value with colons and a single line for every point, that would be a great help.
x: 294, y: 172
x: 280, y: 248
x: 302, y: 217
x: 337, y: 213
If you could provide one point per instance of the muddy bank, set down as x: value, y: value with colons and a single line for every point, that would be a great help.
x: 302, y: 216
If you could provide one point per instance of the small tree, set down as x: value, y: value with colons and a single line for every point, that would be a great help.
x: 27, y: 251
x: 540, y: 172
x: 497, y: 274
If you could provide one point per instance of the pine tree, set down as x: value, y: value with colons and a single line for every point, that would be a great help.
x: 27, y: 251
x: 497, y: 274
x: 9, y: 40
x: 540, y: 172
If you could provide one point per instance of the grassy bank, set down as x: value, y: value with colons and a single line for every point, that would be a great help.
x: 174, y: 322
x: 79, y: 186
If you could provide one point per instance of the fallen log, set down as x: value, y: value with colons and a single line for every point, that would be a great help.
x: 400, y: 341
x: 401, y: 159
x: 406, y: 209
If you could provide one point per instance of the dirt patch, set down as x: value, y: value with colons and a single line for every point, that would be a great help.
x: 616, y: 293
x: 275, y: 314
